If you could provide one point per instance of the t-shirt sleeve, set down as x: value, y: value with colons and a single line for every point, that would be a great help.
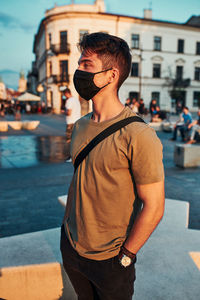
x: 146, y: 158
x: 69, y: 104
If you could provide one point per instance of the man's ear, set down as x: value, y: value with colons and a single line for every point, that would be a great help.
x: 114, y: 76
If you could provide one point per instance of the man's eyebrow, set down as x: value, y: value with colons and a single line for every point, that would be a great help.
x: 84, y: 60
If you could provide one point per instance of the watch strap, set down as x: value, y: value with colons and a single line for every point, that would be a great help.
x: 126, y: 252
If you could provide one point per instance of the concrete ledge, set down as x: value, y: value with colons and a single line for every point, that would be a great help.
x: 3, y: 126
x: 16, y: 125
x: 30, y: 125
x: 168, y: 126
x: 63, y: 200
x: 157, y: 126
x: 46, y: 281
x: 187, y: 155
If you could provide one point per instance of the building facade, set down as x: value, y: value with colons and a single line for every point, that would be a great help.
x: 165, y: 55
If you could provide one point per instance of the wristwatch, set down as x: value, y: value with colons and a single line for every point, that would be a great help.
x: 126, y: 258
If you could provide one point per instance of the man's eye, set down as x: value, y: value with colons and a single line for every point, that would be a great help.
x: 86, y: 65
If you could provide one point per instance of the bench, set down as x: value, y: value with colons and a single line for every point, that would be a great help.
x: 3, y: 126
x: 187, y: 155
x: 157, y: 126
x: 18, y: 125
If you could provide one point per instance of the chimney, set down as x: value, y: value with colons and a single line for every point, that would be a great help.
x: 148, y: 13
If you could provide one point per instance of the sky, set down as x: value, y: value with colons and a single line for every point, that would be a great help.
x: 19, y: 21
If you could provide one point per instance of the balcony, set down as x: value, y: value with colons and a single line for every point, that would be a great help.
x: 60, y: 49
x: 58, y: 79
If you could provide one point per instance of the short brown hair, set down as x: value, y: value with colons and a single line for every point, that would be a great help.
x: 111, y: 50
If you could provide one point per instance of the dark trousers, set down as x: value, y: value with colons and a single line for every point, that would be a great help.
x: 183, y: 130
x: 96, y: 280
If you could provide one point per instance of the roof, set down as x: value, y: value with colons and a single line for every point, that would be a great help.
x: 28, y: 97
x: 193, y: 22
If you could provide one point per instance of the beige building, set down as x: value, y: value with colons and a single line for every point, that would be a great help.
x: 3, y: 94
x: 165, y: 55
x: 22, y: 84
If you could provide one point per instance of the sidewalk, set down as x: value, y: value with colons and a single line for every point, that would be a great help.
x: 167, y: 266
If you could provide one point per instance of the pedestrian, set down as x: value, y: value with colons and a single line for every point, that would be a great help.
x: 101, y: 235
x: 182, y: 125
x: 153, y: 109
x: 195, y: 126
x: 141, y: 109
x: 73, y: 113
x: 28, y: 108
x: 134, y: 105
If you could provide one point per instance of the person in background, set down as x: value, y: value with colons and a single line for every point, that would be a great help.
x: 154, y: 109
x: 134, y: 105
x: 128, y: 102
x: 28, y: 108
x: 141, y: 109
x: 182, y: 125
x: 73, y: 113
x: 178, y: 107
x: 195, y: 125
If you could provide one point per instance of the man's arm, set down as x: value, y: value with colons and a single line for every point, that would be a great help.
x: 68, y: 112
x: 153, y: 198
x: 192, y: 124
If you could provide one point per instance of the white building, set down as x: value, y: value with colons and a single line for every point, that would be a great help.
x: 159, y: 49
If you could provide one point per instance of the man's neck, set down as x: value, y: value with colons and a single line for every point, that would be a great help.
x: 106, y: 108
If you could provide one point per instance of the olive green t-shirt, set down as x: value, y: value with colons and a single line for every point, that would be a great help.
x: 102, y: 206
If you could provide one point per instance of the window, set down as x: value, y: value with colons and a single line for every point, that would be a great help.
x: 64, y: 70
x: 50, y: 68
x: 49, y: 35
x: 63, y: 40
x: 180, y: 48
x: 156, y: 70
x: 51, y: 99
x: 134, y: 70
x: 135, y: 41
x: 173, y: 103
x: 197, y: 73
x: 156, y: 96
x: 157, y: 43
x: 196, y: 99
x: 179, y: 72
x: 198, y: 48
x: 82, y: 32
x: 134, y: 95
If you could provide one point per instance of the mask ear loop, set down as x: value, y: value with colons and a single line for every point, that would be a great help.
x: 102, y: 72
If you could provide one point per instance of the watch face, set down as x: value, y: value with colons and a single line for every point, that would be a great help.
x: 126, y: 261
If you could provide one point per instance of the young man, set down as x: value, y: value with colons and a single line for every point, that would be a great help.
x: 182, y: 125
x: 73, y: 112
x: 100, y: 235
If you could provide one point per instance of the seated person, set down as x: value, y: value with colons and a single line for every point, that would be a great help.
x: 195, y: 125
x: 182, y: 124
x: 142, y: 109
x: 154, y: 110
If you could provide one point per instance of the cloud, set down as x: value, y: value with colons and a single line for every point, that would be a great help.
x: 8, y: 21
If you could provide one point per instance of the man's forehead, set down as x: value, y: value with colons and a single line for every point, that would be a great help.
x: 86, y: 56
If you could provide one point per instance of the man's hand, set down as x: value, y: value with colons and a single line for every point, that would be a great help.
x: 153, y: 198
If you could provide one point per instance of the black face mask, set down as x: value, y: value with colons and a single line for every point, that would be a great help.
x: 84, y: 84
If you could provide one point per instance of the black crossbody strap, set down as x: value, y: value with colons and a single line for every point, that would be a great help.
x: 101, y: 136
